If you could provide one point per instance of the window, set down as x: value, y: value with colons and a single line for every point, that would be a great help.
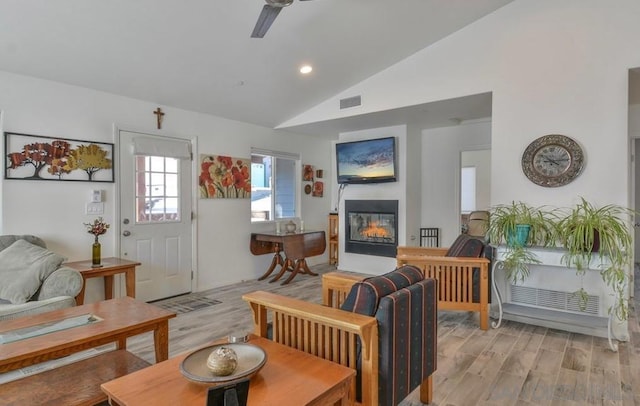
x: 468, y: 189
x: 274, y: 180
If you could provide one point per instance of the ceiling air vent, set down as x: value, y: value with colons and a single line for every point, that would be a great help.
x: 350, y: 102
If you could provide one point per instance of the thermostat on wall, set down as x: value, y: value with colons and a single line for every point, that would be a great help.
x: 96, y: 196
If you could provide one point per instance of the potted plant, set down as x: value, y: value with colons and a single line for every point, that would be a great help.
x: 601, y: 234
x: 519, y: 226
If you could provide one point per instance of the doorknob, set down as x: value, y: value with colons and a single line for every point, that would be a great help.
x: 126, y: 233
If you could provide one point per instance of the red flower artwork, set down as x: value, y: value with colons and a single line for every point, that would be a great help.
x: 224, y: 177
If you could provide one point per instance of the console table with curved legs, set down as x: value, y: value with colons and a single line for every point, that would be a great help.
x: 547, y: 290
x: 296, y: 247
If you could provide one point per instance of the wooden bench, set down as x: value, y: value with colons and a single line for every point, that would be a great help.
x: 77, y: 383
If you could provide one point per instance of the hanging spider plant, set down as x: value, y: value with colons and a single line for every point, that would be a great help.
x: 600, y: 237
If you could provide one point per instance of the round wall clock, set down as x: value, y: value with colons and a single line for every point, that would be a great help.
x: 552, y: 160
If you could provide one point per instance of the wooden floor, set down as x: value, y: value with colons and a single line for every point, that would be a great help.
x: 517, y: 364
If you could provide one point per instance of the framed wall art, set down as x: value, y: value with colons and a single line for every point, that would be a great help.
x: 307, y: 173
x: 224, y: 177
x: 318, y: 189
x: 36, y: 157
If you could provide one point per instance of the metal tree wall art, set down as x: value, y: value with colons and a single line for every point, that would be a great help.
x: 89, y: 158
x: 64, y: 159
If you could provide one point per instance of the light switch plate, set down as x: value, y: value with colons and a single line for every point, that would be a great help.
x: 95, y: 208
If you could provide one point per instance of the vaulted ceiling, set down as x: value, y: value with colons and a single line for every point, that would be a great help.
x: 198, y: 55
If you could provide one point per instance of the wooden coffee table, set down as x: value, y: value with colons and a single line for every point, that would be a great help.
x: 121, y: 318
x: 290, y: 377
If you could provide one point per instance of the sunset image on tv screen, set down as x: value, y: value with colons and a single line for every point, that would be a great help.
x: 371, y: 159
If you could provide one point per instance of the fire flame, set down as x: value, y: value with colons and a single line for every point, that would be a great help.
x: 374, y: 231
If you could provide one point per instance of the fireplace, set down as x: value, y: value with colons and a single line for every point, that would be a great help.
x: 371, y: 227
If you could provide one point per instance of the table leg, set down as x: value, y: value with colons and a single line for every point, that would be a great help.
x: 287, y: 266
x: 121, y: 344
x: 277, y: 260
x: 80, y: 296
x: 108, y: 287
x: 130, y: 282
x: 301, y: 264
x: 161, y: 341
x: 497, y: 264
x: 305, y: 268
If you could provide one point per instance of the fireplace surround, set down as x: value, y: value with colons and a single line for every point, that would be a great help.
x: 371, y: 227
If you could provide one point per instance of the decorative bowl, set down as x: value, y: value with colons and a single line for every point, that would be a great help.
x: 290, y: 227
x: 251, y: 359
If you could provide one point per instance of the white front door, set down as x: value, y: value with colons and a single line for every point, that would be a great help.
x: 155, y: 213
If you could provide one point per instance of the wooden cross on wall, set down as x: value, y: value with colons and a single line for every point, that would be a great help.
x: 158, y: 112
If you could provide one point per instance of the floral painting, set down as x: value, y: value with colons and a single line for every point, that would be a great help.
x: 224, y: 177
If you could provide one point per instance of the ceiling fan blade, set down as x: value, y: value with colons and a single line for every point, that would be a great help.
x: 265, y: 19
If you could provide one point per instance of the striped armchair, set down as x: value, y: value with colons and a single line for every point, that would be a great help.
x: 385, y: 330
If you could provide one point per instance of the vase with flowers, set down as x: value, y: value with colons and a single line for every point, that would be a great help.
x: 97, y: 228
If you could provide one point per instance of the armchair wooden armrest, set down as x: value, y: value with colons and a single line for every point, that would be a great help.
x: 336, y: 286
x: 322, y: 331
x: 431, y: 251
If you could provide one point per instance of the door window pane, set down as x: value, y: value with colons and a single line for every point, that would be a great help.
x: 157, y: 191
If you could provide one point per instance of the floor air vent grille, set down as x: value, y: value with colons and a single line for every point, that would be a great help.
x: 553, y: 299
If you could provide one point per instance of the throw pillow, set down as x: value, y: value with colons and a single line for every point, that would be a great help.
x: 23, y: 268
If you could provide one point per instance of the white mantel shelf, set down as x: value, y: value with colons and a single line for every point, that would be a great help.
x: 552, y: 275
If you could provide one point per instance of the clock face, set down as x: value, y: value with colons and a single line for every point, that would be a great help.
x: 552, y: 160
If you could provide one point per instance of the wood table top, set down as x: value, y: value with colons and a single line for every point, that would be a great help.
x: 107, y: 263
x: 289, y: 377
x: 121, y: 317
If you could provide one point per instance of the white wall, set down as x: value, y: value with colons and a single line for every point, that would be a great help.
x: 380, y: 191
x: 55, y: 210
x: 441, y: 149
x: 552, y: 67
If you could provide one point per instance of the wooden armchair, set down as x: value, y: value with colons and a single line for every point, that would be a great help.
x: 461, y: 272
x: 389, y: 361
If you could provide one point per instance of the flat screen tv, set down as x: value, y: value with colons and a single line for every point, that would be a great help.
x: 367, y: 161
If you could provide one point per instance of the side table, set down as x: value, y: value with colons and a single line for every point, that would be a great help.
x: 110, y: 266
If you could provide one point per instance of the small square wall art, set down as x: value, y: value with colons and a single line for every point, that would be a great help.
x: 307, y: 173
x: 318, y: 189
x: 224, y: 177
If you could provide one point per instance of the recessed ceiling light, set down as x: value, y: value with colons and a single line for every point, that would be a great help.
x: 305, y: 69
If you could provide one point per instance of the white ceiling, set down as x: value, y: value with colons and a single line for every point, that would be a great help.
x: 198, y: 55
